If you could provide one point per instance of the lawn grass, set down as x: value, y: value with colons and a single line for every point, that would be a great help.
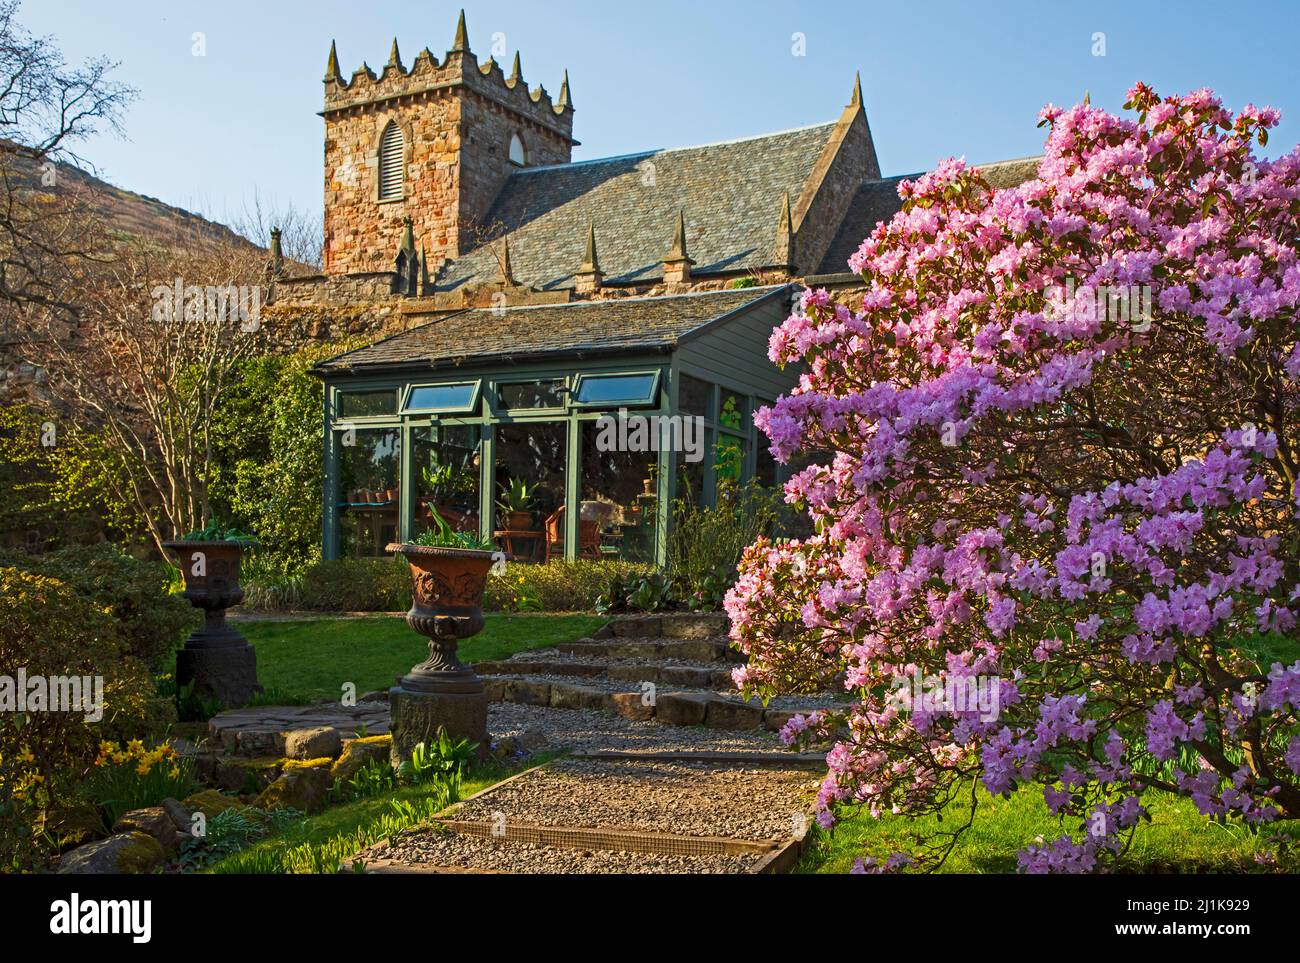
x: 1177, y: 840
x: 357, y: 822
x: 302, y: 661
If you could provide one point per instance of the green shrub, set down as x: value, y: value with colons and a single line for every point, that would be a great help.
x: 48, y: 629
x: 152, y: 621
x: 342, y: 585
x: 705, y: 544
x: 556, y: 586
x: 384, y: 585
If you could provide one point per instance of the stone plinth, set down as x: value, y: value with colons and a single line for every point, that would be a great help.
x: 227, y: 673
x: 417, y: 717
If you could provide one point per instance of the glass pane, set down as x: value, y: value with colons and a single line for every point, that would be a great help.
x: 367, y: 498
x: 445, y: 471
x: 616, y: 389
x: 732, y: 414
x: 364, y: 404
x: 693, y: 396
x: 619, y: 500
x: 764, y: 463
x: 729, y: 463
x: 530, y: 467
x: 690, y: 474
x: 441, y: 398
x: 532, y: 394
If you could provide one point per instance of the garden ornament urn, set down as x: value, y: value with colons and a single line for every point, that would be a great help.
x: 441, y: 692
x: 216, y: 658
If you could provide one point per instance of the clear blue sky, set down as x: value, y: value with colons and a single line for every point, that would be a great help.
x: 939, y: 78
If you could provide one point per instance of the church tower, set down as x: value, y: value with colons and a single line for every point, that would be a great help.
x: 426, y: 149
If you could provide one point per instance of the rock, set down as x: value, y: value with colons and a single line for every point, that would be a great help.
x: 313, y: 743
x: 210, y: 802
x: 180, y: 816
x: 636, y: 626
x: 688, y: 625
x: 634, y: 673
x: 357, y: 754
x: 152, y: 821
x: 528, y: 693
x: 682, y: 708
x: 303, y: 786
x: 376, y: 695
x: 693, y: 677
x: 733, y: 714
x: 495, y: 688
x: 775, y: 719
x: 239, y: 774
x: 629, y: 706
x: 77, y: 825
x: 132, y: 852
x: 573, y: 696
x: 532, y: 739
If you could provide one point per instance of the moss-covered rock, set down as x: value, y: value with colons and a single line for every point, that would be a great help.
x: 357, y: 754
x: 132, y: 852
x: 152, y: 821
x: 304, y: 785
x: 209, y: 802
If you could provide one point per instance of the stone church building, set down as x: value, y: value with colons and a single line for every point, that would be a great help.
x: 520, y: 297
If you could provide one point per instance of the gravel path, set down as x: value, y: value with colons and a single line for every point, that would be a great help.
x: 681, y: 798
x: 446, y: 849
x: 591, y: 729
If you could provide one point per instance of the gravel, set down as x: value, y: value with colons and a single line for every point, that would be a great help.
x: 682, y: 798
x: 473, y: 852
x: 593, y: 729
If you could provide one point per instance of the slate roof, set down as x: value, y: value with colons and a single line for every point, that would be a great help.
x: 877, y: 201
x: 731, y: 193
x: 616, y: 324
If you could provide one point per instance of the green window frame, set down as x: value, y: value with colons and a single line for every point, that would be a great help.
x: 450, y: 406
x: 647, y: 397
x: 341, y: 396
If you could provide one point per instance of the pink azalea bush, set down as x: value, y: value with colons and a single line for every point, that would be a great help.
x: 1059, y: 446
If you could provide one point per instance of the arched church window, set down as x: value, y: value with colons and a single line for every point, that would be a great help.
x: 518, y: 152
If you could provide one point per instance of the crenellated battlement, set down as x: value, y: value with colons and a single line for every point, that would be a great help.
x: 427, y: 148
x: 427, y: 77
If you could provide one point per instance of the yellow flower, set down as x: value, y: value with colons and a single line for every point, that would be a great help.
x: 142, y: 769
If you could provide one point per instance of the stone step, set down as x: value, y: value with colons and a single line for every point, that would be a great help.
x: 671, y: 625
x: 708, y: 649
x: 678, y: 707
x: 690, y: 675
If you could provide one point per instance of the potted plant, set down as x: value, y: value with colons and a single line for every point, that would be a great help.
x: 516, y: 505
x: 216, y: 658
x: 449, y: 571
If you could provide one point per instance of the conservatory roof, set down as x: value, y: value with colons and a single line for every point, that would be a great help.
x: 605, y: 326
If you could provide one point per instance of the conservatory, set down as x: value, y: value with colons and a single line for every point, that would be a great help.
x: 557, y: 431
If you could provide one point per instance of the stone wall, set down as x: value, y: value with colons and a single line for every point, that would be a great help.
x: 457, y: 119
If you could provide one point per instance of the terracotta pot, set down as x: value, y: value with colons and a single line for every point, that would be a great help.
x: 446, y: 606
x: 519, y: 521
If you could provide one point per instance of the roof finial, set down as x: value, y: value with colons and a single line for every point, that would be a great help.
x: 564, y: 95
x: 507, y: 274
x: 1087, y: 97
x: 516, y: 74
x: 461, y: 43
x: 678, y: 251
x: 395, y: 58
x: 275, y: 263
x: 332, y: 66
x: 856, y: 100
x: 408, y: 235
x: 590, y: 263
